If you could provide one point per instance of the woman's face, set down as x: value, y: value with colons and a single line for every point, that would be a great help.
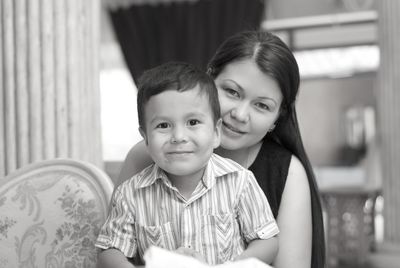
x: 250, y: 104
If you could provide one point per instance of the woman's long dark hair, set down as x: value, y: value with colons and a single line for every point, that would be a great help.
x: 276, y: 60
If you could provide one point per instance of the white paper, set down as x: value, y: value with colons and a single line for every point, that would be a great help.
x: 156, y: 257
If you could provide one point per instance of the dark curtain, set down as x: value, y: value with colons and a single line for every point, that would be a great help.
x: 151, y: 34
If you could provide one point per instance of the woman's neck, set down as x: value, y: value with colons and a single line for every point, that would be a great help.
x: 244, y: 156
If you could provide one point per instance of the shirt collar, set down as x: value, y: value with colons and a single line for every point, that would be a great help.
x: 217, y: 167
x: 150, y: 175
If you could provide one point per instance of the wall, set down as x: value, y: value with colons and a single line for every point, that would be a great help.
x: 321, y: 105
x: 322, y: 102
x: 282, y: 9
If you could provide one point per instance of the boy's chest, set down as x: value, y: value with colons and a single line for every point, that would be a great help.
x: 208, y: 225
x: 215, y: 236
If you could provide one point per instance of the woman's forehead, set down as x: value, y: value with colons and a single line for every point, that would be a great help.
x: 246, y: 76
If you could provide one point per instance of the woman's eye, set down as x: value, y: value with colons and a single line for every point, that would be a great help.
x: 193, y: 122
x: 162, y: 125
x: 262, y: 106
x: 232, y: 92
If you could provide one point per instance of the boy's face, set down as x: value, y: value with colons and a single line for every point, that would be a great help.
x: 180, y: 131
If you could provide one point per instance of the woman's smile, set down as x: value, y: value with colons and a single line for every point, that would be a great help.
x: 232, y: 130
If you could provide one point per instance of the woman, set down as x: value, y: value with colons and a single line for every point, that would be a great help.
x: 258, y: 80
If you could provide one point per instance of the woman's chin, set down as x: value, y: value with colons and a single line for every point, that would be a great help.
x: 231, y: 145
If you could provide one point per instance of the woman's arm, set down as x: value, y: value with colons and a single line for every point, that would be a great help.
x: 111, y: 258
x: 136, y: 160
x: 295, y: 220
x: 264, y: 250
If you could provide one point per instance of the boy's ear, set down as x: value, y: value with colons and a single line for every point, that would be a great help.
x: 143, y: 134
x: 217, y: 139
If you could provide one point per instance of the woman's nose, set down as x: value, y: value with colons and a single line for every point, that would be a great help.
x: 241, y: 113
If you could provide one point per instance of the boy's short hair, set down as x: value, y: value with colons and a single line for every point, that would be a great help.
x: 177, y: 76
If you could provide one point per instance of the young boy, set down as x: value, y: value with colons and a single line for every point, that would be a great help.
x: 190, y: 200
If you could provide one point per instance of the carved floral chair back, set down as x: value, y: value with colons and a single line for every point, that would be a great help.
x: 50, y: 214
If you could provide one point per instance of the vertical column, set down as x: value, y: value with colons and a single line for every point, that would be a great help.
x: 21, y: 83
x: 72, y: 77
x: 48, y: 89
x: 2, y: 134
x: 388, y: 109
x: 91, y: 67
x: 9, y: 85
x: 34, y: 82
x: 94, y: 82
x: 60, y: 77
x: 49, y: 75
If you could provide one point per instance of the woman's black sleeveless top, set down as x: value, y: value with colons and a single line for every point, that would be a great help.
x: 271, y: 169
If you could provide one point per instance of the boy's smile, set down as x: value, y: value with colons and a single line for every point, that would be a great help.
x: 180, y: 132
x: 179, y: 155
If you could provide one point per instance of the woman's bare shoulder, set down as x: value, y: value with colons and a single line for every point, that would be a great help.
x: 297, y: 170
x: 297, y: 185
x: 295, y: 219
x: 136, y: 160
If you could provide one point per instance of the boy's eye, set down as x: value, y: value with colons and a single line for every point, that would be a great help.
x: 162, y: 125
x: 193, y: 122
x: 232, y: 92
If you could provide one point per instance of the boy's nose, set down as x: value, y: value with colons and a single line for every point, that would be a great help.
x: 178, y: 135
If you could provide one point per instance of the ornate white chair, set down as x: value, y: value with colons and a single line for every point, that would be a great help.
x: 50, y: 214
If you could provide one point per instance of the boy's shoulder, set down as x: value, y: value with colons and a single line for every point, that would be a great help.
x: 224, y: 165
x: 229, y: 172
x: 143, y: 178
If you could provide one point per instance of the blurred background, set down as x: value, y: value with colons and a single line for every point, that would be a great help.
x: 335, y: 43
x: 68, y: 72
